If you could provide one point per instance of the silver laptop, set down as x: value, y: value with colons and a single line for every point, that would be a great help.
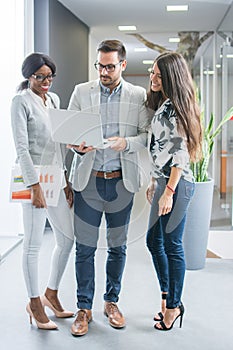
x: 74, y: 127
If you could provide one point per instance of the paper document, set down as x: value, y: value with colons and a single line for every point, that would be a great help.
x: 50, y: 178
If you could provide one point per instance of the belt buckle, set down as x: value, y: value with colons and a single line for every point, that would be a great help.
x: 106, y: 176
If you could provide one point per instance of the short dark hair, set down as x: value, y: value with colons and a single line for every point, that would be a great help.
x: 113, y: 45
x: 32, y: 63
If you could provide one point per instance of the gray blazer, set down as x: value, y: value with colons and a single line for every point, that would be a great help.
x: 31, y: 133
x: 133, y: 120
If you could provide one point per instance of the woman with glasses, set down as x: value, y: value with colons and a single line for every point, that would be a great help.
x: 31, y: 132
x: 176, y: 139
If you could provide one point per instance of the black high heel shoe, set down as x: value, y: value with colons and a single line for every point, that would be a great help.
x: 165, y: 328
x: 164, y: 297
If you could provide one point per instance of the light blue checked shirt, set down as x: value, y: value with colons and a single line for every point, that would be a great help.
x: 108, y: 159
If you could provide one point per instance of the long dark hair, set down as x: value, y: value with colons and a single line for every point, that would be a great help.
x: 178, y: 87
x: 31, y: 64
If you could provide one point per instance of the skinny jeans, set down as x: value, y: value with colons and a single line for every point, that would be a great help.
x: 61, y: 221
x: 164, y: 240
x: 110, y: 197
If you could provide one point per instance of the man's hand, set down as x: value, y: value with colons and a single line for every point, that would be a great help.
x: 81, y: 148
x: 119, y: 143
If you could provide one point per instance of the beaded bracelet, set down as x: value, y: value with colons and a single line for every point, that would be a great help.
x: 171, y: 189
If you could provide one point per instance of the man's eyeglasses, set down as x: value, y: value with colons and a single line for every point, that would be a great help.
x: 108, y: 67
x: 40, y: 77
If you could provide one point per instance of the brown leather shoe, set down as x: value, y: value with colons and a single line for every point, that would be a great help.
x: 80, y: 325
x: 115, y: 317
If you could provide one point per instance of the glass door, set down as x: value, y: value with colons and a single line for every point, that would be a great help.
x: 222, y: 212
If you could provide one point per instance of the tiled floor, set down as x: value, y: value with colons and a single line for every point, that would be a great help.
x: 207, y: 321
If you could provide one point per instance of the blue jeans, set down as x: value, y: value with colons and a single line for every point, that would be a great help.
x: 164, y: 240
x: 107, y: 196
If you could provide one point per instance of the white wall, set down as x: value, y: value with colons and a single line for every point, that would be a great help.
x: 12, y: 53
x: 140, y: 80
x: 93, y: 43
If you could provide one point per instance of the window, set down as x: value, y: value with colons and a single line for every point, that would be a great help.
x: 12, y: 53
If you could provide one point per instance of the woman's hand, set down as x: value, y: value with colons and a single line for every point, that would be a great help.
x: 166, y: 200
x: 38, y: 199
x: 150, y: 191
x: 165, y: 203
x: 69, y: 195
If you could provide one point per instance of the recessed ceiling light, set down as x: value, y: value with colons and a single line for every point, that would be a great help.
x: 208, y: 72
x: 147, y: 61
x: 228, y: 56
x: 174, y: 40
x: 140, y: 49
x: 218, y: 65
x: 177, y: 8
x: 127, y: 28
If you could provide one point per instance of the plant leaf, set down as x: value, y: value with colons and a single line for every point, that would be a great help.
x: 200, y: 168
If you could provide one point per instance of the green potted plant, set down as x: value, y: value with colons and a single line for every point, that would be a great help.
x: 199, y: 213
x: 200, y: 169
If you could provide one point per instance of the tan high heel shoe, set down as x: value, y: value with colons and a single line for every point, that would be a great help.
x: 48, y: 325
x: 58, y: 314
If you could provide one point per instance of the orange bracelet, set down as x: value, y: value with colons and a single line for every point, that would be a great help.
x: 171, y: 189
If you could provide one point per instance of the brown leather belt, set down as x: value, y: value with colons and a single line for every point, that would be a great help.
x: 107, y: 174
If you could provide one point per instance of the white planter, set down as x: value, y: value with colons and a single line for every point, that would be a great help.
x: 197, y: 225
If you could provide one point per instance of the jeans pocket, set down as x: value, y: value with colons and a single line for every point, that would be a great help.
x: 189, y: 189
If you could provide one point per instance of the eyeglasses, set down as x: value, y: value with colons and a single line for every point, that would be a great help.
x: 40, y: 77
x: 108, y: 67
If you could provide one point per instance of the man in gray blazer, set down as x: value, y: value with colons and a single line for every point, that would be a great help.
x: 105, y: 180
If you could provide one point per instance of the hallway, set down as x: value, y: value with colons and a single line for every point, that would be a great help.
x: 207, y: 297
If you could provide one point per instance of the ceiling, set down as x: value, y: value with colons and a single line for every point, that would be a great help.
x: 152, y: 22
